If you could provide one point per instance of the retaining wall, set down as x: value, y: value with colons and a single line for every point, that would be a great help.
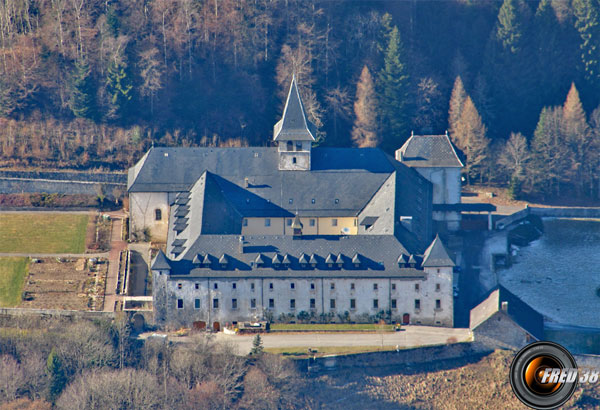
x: 395, y: 358
x: 68, y: 183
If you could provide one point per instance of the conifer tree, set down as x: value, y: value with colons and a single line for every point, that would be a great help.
x: 457, y: 101
x: 393, y: 94
x: 118, y: 89
x: 364, y: 132
x: 549, y: 64
x: 82, y: 102
x: 587, y: 23
x: 257, y: 345
x: 471, y: 138
x: 509, y: 66
x: 56, y: 373
x: 550, y: 155
x: 577, y: 135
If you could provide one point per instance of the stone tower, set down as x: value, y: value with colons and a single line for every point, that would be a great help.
x: 294, y: 134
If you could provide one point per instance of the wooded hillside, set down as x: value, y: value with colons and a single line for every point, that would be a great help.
x: 88, y: 83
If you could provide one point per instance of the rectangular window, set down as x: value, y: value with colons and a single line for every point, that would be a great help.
x: 196, y: 303
x: 267, y: 221
x: 417, y: 303
x: 234, y: 303
x: 352, y: 286
x: 393, y: 303
x: 298, y: 146
x: 437, y: 287
x: 332, y: 303
x: 271, y: 286
x: 245, y: 222
x: 271, y: 303
x: 234, y: 285
x: 375, y: 303
x: 157, y: 214
x: 288, y: 222
x: 292, y: 304
x: 179, y: 303
x: 292, y: 285
x: 215, y: 303
x: 252, y: 303
x: 252, y: 286
x: 438, y: 304
x: 216, y: 286
x: 332, y: 286
x: 311, y: 222
x: 312, y: 286
x: 416, y: 287
x: 393, y: 286
x: 197, y: 285
x: 352, y: 304
x: 374, y: 286
x: 355, y: 222
x: 334, y: 222
x: 312, y: 303
x: 179, y: 286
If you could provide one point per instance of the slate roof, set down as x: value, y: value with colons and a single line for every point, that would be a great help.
x: 294, y: 125
x: 160, y: 261
x: 379, y: 255
x: 429, y: 151
x: 520, y: 312
x: 436, y: 255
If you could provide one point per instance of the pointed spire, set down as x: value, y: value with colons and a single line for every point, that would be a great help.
x: 437, y: 255
x: 294, y: 124
x: 161, y: 262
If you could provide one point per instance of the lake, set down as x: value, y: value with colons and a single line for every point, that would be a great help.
x: 559, y: 274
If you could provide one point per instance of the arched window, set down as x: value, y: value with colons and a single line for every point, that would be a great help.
x: 157, y: 214
x: 290, y: 146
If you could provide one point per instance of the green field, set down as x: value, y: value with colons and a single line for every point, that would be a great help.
x: 331, y: 327
x: 42, y: 232
x: 13, y: 272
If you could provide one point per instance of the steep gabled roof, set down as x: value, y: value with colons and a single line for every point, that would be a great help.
x: 437, y: 255
x: 294, y: 125
x: 520, y: 312
x: 161, y: 262
x: 429, y: 151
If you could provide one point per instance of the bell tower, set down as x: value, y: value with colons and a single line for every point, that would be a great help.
x: 294, y: 134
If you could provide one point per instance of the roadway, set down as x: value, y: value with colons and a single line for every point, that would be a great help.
x: 409, y: 336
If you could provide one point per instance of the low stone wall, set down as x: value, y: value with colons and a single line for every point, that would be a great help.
x: 396, y: 358
x: 22, y: 186
x: 570, y: 212
x: 103, y: 177
x: 72, y: 314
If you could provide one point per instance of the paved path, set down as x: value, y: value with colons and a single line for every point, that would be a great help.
x: 410, y: 336
x: 117, y: 244
x: 138, y: 268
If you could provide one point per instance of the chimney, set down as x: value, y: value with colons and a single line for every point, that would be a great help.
x: 246, y: 182
x: 505, y: 306
x: 241, y: 244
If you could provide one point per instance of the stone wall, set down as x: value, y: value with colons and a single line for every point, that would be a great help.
x: 396, y: 358
x: 68, y: 183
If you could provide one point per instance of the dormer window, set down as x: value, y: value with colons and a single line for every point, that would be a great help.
x: 277, y: 259
x: 260, y: 260
x: 303, y: 260
x: 224, y: 261
x: 356, y: 260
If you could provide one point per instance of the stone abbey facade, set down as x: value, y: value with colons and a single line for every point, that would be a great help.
x: 292, y: 232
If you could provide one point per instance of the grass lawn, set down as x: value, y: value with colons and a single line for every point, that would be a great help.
x: 302, y: 352
x: 43, y: 232
x: 328, y: 327
x: 13, y: 272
